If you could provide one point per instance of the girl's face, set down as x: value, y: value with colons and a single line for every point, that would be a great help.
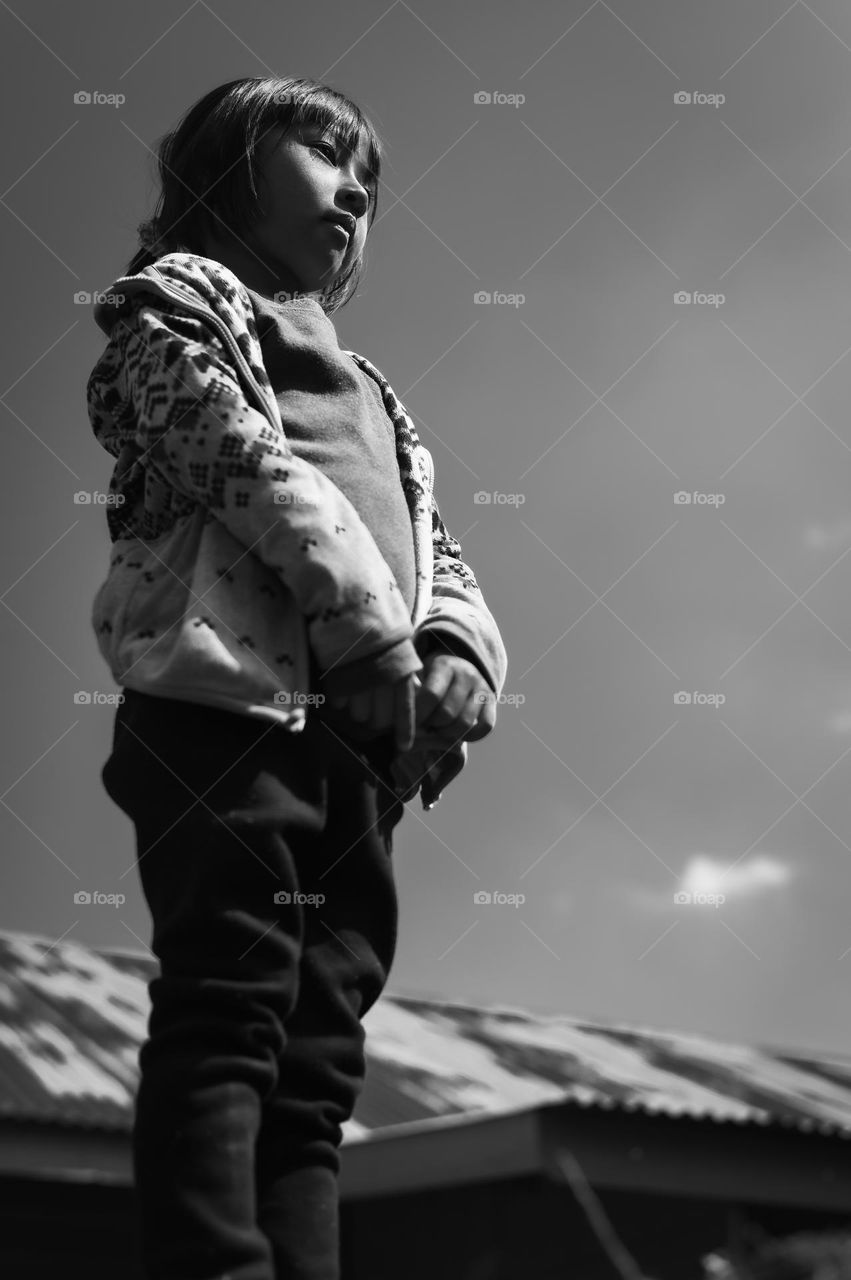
x: 303, y: 176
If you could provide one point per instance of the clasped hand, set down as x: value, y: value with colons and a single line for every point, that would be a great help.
x: 451, y: 702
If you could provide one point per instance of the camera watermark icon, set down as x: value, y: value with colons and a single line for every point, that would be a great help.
x: 696, y: 699
x: 684, y: 499
x: 86, y: 698
x: 294, y: 697
x: 283, y: 896
x: 695, y: 99
x: 683, y: 298
x: 82, y: 898
x: 94, y: 497
x: 482, y: 98
x: 504, y: 699
x: 686, y: 899
x: 282, y: 295
x: 484, y: 298
x: 483, y: 898
x: 83, y: 297
x: 97, y: 99
x: 285, y: 499
x: 482, y: 497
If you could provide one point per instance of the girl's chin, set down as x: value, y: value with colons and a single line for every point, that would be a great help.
x: 322, y: 281
x: 322, y: 270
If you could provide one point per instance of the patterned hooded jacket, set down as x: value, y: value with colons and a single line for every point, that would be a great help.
x: 237, y: 569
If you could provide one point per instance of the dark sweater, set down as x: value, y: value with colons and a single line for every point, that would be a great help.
x: 334, y: 418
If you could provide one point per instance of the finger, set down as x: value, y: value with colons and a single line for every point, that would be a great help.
x: 468, y: 714
x: 383, y: 707
x: 409, y: 771
x: 446, y: 716
x: 406, y: 774
x: 407, y: 788
x: 430, y: 751
x: 438, y: 678
x: 486, y: 719
x: 405, y: 714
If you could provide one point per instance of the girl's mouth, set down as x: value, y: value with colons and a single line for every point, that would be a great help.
x: 338, y: 230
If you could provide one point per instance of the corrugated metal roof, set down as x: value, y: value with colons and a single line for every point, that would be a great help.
x: 72, y: 1019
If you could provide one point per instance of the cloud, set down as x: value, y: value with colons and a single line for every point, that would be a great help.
x: 830, y: 537
x: 840, y: 722
x: 717, y: 875
x: 711, y: 875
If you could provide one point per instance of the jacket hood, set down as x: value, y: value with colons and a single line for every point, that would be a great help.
x: 113, y: 303
x: 204, y: 283
x: 173, y: 268
x: 103, y: 389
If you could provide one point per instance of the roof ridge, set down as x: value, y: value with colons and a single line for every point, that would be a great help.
x: 773, y: 1050
x: 595, y: 1021
x: 97, y: 948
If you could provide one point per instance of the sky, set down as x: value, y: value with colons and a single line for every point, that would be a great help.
x: 654, y: 202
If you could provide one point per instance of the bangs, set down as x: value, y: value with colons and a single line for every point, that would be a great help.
x: 329, y: 111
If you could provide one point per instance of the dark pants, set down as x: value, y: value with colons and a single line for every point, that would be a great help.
x: 255, y: 1055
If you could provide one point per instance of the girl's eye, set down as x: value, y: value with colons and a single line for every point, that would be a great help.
x: 326, y: 147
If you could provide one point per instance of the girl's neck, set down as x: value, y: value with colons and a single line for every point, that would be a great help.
x: 249, y: 267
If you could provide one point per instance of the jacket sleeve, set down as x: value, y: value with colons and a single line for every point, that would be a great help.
x: 192, y: 422
x: 459, y: 621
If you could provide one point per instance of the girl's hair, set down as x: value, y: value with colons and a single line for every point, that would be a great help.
x: 207, y: 166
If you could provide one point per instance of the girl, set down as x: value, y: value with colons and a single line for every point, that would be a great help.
x: 280, y: 579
